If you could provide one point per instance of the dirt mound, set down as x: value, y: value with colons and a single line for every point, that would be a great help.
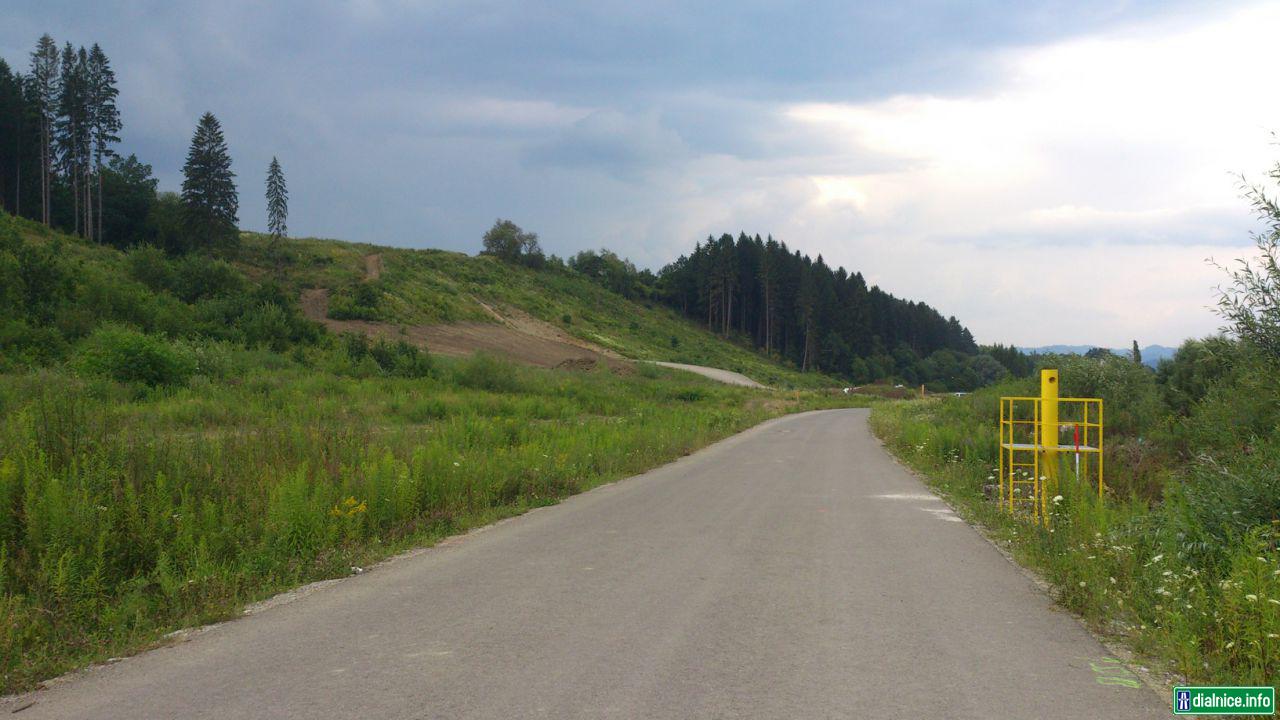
x: 373, y: 266
x: 516, y: 335
x: 580, y: 364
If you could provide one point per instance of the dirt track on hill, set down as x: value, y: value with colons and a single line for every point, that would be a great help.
x: 515, y: 335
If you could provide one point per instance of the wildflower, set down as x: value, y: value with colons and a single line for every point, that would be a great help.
x: 1251, y: 597
x: 1082, y: 583
x: 1272, y: 635
x: 1273, y: 601
x: 1057, y: 499
x: 1113, y: 580
x: 457, y: 464
x: 1231, y: 644
x: 1167, y: 573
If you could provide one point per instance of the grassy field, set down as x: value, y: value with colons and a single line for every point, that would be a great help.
x: 178, y: 440
x: 434, y: 286
x: 1180, y: 561
x: 131, y: 511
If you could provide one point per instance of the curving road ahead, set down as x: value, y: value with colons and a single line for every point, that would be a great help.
x: 792, y: 571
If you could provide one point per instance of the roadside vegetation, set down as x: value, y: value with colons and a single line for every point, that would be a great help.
x: 177, y: 440
x: 1180, y: 560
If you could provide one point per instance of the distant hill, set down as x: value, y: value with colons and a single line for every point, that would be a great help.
x: 1151, y: 354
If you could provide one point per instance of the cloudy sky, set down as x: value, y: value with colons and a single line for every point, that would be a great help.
x: 1047, y: 171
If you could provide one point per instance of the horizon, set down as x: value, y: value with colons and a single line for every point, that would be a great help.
x: 950, y: 157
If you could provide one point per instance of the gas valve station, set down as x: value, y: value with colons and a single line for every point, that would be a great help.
x: 1044, y: 442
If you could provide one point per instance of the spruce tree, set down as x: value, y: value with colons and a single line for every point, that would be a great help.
x: 44, y: 81
x: 13, y: 132
x: 103, y: 117
x: 71, y: 129
x: 209, y: 198
x: 277, y: 201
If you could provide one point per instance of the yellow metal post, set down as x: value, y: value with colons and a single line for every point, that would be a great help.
x: 1048, y: 435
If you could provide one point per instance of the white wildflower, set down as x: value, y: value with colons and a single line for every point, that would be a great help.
x: 1251, y: 597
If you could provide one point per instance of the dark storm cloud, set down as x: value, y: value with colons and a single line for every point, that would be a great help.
x: 642, y: 126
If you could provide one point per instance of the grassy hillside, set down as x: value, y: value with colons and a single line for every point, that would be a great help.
x: 177, y: 440
x: 435, y: 286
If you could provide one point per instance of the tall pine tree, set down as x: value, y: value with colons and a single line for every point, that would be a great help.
x: 45, y: 88
x: 277, y: 201
x: 103, y: 118
x: 72, y: 131
x: 209, y: 199
x: 15, y: 137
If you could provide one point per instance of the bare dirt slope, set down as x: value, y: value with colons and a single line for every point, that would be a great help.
x: 514, y: 334
x: 373, y: 266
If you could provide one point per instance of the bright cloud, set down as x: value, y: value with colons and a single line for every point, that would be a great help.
x: 1104, y: 161
x: 1045, y: 171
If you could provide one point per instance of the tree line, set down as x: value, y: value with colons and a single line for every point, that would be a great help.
x: 59, y: 126
x: 789, y: 304
x: 792, y: 307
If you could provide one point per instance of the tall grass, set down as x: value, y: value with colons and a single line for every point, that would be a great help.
x: 127, y: 509
x: 1184, y: 579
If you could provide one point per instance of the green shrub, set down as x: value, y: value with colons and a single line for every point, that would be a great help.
x: 151, y: 267
x: 486, y: 372
x: 24, y: 345
x: 361, y: 301
x: 198, y: 277
x: 401, y: 359
x: 128, y: 356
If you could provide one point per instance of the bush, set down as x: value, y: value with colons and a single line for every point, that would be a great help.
x: 22, y: 344
x: 128, y: 356
x: 1129, y: 390
x: 401, y: 359
x: 1198, y: 365
x: 197, y: 277
x: 362, y: 301
x: 486, y: 372
x: 149, y: 266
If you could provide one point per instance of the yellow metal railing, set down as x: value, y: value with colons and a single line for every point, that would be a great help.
x: 1033, y: 447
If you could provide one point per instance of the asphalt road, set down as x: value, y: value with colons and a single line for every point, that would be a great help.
x: 724, y: 376
x: 792, y: 571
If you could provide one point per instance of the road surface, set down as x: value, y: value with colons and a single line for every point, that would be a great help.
x: 792, y: 571
x: 724, y: 376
